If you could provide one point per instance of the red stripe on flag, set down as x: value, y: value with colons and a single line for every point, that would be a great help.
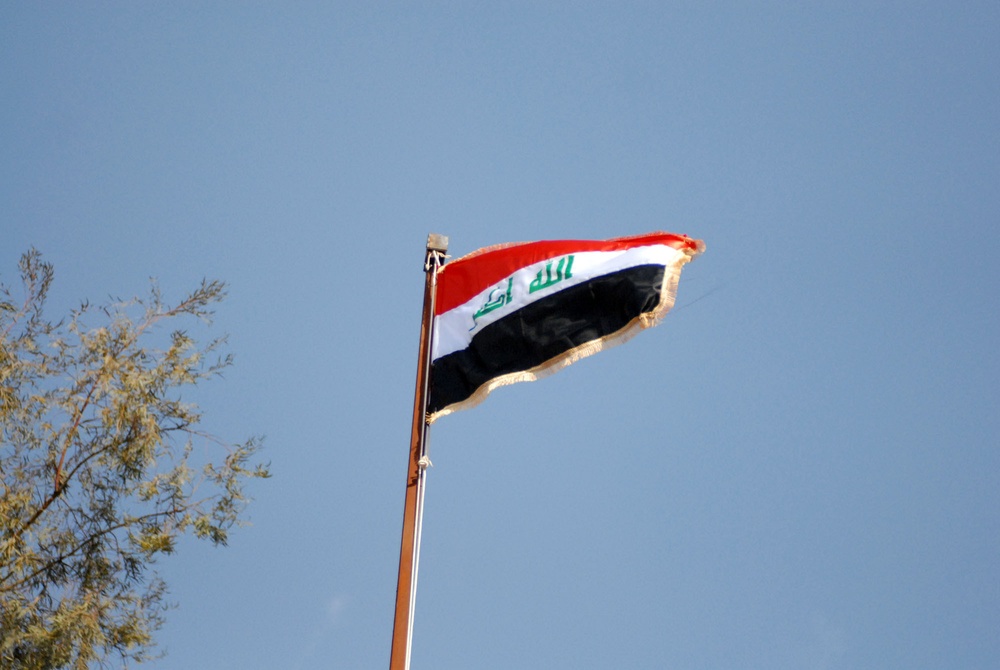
x: 462, y: 279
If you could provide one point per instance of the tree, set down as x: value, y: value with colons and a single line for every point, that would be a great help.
x: 102, y: 468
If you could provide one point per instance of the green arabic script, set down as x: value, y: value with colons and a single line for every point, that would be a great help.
x: 563, y: 271
x: 546, y: 277
x: 494, y: 301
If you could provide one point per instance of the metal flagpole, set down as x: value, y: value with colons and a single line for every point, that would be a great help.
x: 409, y: 550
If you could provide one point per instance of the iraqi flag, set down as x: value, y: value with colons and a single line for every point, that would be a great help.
x: 517, y: 312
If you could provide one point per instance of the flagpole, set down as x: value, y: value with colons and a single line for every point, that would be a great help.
x: 409, y: 550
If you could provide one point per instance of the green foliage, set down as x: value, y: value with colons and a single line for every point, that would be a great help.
x: 99, y: 471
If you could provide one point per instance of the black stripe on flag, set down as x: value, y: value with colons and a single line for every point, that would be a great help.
x: 545, y: 329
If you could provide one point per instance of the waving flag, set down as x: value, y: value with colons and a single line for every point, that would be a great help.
x: 518, y: 312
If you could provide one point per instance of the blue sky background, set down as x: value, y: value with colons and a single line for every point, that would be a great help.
x: 798, y: 469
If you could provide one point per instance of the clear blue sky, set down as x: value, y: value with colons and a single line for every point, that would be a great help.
x: 798, y: 469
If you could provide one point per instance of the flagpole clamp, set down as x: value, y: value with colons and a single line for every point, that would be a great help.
x: 437, y: 248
